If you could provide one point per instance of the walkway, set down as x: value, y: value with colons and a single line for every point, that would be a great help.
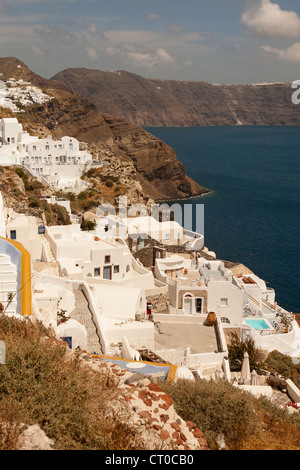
x: 185, y: 333
x: 83, y: 315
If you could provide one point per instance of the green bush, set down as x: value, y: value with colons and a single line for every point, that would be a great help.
x: 237, y: 349
x: 283, y: 364
x: 216, y: 408
x: 88, y: 225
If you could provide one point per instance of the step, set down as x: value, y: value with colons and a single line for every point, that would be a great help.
x: 8, y: 286
x: 9, y: 277
x: 8, y: 267
x: 83, y: 315
x: 5, y: 259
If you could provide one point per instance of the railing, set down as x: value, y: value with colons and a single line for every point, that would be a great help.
x: 253, y: 300
x: 269, y: 305
x: 179, y: 357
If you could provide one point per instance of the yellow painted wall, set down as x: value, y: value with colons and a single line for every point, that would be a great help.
x: 26, y: 292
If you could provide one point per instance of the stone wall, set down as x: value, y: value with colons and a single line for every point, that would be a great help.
x: 160, y: 303
x: 152, y: 411
x: 195, y: 293
x: 147, y: 254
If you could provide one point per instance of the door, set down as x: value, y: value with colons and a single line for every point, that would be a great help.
x: 107, y: 272
x: 187, y: 305
x: 198, y: 305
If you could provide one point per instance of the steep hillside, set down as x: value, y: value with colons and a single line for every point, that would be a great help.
x: 156, y: 168
x: 149, y: 102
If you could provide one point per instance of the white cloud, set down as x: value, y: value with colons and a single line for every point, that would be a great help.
x: 174, y: 29
x: 290, y: 54
x: 141, y: 58
x: 154, y: 17
x: 92, y: 53
x: 38, y: 52
x: 93, y: 28
x: 267, y: 19
x: 164, y: 56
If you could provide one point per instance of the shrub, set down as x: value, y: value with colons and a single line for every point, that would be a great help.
x: 217, y: 408
x: 283, y: 364
x: 237, y: 349
x: 245, y: 422
x: 88, y: 225
x: 41, y: 384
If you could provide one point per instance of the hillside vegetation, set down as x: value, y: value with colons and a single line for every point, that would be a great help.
x: 42, y: 384
x: 80, y: 409
x: 235, y: 416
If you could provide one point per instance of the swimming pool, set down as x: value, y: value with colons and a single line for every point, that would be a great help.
x: 257, y: 323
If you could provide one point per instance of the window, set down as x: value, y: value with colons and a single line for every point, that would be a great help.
x: 167, y: 237
x: 224, y: 302
x: 107, y: 259
x: 127, y: 268
x: 116, y: 269
x: 47, y: 147
x: 225, y: 320
x: 97, y: 272
x: 13, y: 234
x: 34, y: 147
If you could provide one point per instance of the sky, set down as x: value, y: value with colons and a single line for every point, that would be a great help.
x: 218, y: 41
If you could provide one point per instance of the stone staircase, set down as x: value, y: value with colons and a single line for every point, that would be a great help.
x: 49, y: 253
x: 8, y: 283
x: 83, y: 315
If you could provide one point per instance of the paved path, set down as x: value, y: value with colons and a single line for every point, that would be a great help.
x: 83, y: 315
x: 197, y: 336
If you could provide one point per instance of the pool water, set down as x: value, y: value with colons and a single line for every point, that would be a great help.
x: 257, y: 324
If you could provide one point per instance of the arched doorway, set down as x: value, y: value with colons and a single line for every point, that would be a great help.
x: 188, y: 304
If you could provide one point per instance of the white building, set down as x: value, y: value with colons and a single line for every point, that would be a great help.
x: 60, y: 162
x: 198, y: 286
x: 142, y: 228
x: 83, y: 255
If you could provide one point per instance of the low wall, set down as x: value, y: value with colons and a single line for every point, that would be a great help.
x: 82, y: 285
x: 293, y: 391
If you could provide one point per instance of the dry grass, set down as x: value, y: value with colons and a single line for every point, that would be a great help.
x: 245, y: 422
x: 78, y: 409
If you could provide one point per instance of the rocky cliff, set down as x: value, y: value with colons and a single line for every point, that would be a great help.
x: 149, y: 102
x: 155, y: 166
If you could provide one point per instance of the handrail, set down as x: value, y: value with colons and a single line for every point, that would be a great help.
x: 253, y: 300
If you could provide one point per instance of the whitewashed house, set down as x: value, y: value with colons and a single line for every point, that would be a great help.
x: 142, y: 228
x: 84, y: 255
x: 59, y: 162
x: 198, y: 286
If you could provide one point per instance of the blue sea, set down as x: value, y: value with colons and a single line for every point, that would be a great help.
x: 252, y: 212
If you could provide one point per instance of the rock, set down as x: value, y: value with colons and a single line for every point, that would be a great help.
x: 134, y: 378
x: 33, y: 438
x: 164, y: 434
x: 174, y: 103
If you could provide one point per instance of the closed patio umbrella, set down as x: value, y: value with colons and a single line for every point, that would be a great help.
x: 245, y: 372
x: 218, y: 373
x: 254, y: 378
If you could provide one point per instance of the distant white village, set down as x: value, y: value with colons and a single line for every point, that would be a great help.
x: 17, y: 94
x: 92, y: 288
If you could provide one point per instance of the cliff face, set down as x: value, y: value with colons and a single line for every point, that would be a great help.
x: 149, y: 102
x: 157, y: 169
